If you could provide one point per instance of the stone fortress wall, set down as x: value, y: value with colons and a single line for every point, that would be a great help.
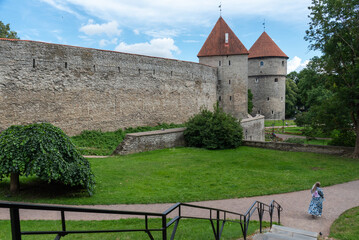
x: 79, y: 89
x: 266, y: 79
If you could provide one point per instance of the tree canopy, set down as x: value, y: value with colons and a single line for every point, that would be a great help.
x: 5, y: 31
x: 45, y: 151
x: 334, y: 30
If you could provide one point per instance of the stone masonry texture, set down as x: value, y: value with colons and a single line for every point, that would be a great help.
x: 80, y: 89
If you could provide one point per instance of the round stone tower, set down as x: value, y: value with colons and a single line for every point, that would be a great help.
x: 267, y: 70
x: 226, y: 52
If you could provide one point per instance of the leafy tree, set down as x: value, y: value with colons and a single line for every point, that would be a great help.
x: 5, y: 31
x: 334, y: 30
x: 250, y: 101
x: 213, y: 130
x: 45, y: 151
x: 291, y: 96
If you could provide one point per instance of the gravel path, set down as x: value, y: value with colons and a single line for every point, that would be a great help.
x: 338, y: 198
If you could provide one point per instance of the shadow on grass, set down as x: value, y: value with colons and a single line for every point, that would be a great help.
x: 34, y: 189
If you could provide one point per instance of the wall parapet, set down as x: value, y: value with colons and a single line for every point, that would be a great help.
x: 297, y: 147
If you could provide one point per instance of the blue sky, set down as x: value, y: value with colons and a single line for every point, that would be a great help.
x: 163, y: 28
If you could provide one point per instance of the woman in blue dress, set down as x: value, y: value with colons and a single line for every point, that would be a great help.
x: 316, y: 205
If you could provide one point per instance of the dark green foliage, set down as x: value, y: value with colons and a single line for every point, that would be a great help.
x: 250, y: 101
x: 104, y: 143
x: 291, y: 95
x: 343, y: 138
x: 45, y: 151
x: 213, y: 130
x: 5, y: 31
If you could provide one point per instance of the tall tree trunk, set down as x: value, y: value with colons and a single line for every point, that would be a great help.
x: 14, y: 182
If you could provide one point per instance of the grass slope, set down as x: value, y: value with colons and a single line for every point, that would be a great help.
x: 187, y: 229
x: 190, y: 174
x: 346, y: 227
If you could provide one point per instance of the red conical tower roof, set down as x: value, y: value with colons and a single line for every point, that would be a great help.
x: 216, y: 44
x: 265, y: 47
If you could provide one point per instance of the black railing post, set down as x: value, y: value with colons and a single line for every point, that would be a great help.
x: 245, y: 227
x: 271, y: 207
x: 15, y: 223
x: 278, y: 209
x: 63, y: 221
x: 164, y: 228
x: 217, y: 236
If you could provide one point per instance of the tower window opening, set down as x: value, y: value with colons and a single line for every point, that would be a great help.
x: 219, y: 82
x: 267, y: 98
x: 139, y: 71
x: 257, y: 80
x: 276, y: 80
x: 272, y: 112
x: 229, y: 63
x: 229, y: 81
x: 119, y: 69
x: 154, y: 72
x: 33, y: 63
x: 171, y: 73
x: 281, y: 99
x: 282, y: 63
x: 65, y: 64
x: 219, y: 63
x: 226, y: 37
x: 230, y: 98
x: 259, y: 111
x: 219, y: 98
x: 94, y: 68
x: 262, y: 63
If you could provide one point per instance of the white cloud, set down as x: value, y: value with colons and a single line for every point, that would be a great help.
x: 61, y: 5
x: 104, y: 42
x: 296, y: 64
x: 136, y: 31
x: 159, y: 47
x: 162, y: 33
x: 110, y: 28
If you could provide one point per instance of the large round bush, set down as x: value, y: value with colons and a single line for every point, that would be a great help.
x: 45, y: 151
x: 213, y: 130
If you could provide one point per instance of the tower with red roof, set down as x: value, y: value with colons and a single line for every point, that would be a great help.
x: 225, y: 51
x: 267, y: 69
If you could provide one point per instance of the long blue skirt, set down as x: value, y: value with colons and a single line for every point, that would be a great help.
x: 316, y: 206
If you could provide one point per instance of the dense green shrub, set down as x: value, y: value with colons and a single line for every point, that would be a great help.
x: 45, y: 151
x: 343, y: 138
x: 213, y: 130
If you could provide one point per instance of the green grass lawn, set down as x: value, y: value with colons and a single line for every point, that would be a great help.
x: 346, y: 227
x: 187, y: 229
x: 191, y: 174
x: 269, y: 123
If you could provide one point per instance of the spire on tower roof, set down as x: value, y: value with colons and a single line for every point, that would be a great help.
x: 222, y: 41
x: 265, y: 47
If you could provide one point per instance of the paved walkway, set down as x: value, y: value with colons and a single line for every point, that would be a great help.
x: 338, y: 198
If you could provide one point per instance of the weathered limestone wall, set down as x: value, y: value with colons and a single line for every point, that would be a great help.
x: 267, y: 83
x: 253, y: 128
x: 295, y: 147
x: 78, y: 88
x: 153, y: 140
x: 232, y: 83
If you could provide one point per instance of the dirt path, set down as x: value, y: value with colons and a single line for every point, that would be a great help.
x: 338, y: 198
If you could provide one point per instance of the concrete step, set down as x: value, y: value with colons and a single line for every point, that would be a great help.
x: 293, y: 232
x: 286, y: 233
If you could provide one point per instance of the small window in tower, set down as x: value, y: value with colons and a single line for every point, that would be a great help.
x: 219, y: 63
x: 94, y: 68
x: 257, y: 80
x: 267, y: 98
x: 229, y: 63
x: 154, y: 72
x: 229, y: 81
x: 262, y: 63
x: 33, y: 63
x: 230, y: 98
x: 272, y: 112
x: 282, y: 63
x: 226, y: 37
x: 259, y: 111
x: 281, y: 99
x: 219, y: 98
x: 276, y: 80
x: 65, y: 64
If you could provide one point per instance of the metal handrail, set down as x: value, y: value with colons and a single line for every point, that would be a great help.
x: 217, y: 218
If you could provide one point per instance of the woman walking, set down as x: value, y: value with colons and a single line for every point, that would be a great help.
x: 316, y: 205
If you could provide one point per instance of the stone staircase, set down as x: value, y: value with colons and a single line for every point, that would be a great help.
x: 286, y: 233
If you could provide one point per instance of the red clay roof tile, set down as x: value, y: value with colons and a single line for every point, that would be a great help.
x: 215, y: 44
x: 265, y: 47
